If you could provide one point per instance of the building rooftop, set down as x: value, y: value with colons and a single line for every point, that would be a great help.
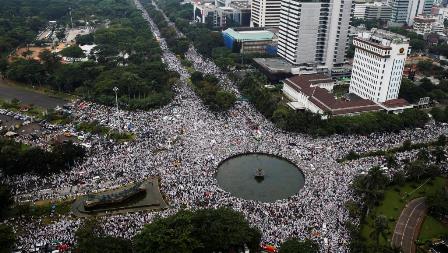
x: 326, y: 101
x: 274, y: 65
x: 382, y: 37
x: 240, y: 5
x: 249, y: 34
x: 424, y: 19
x: 396, y: 103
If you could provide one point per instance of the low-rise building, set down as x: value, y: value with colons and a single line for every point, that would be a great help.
x: 204, y: 12
x: 248, y: 40
x: 312, y: 92
x: 424, y: 24
x: 442, y: 14
x: 236, y: 14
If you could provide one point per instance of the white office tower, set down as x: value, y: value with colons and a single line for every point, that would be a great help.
x: 378, y: 65
x: 265, y: 13
x: 314, y: 32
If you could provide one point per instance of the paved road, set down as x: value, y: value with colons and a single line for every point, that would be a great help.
x: 28, y: 96
x: 408, y: 225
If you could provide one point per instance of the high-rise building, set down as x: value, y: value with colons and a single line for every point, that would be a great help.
x: 314, y: 32
x: 378, y: 65
x: 376, y: 10
x: 265, y: 13
x: 404, y: 11
x: 359, y: 11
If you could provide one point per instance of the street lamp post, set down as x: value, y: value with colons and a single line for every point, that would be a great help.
x: 115, y: 89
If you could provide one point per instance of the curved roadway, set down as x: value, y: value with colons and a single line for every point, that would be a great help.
x: 408, y: 225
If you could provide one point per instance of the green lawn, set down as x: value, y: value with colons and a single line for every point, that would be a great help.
x: 432, y: 228
x: 394, y: 201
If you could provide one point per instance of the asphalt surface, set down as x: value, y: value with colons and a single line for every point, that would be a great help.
x: 408, y: 225
x: 8, y: 92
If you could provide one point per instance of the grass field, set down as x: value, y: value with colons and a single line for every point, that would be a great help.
x: 432, y: 228
x: 394, y: 201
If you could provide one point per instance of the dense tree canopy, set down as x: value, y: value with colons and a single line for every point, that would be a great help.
x: 202, y: 231
x: 370, y: 187
x: 438, y: 203
x: 126, y: 56
x: 5, y: 200
x: 208, y: 89
x: 7, y: 238
x: 296, y: 246
x: 73, y: 52
x: 92, y: 239
x: 17, y: 158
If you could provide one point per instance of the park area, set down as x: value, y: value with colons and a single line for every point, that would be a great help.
x: 395, y: 199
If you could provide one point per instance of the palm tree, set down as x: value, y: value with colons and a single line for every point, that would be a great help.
x: 380, y: 228
x: 371, y: 186
x: 423, y: 155
x: 391, y: 161
x: 439, y: 154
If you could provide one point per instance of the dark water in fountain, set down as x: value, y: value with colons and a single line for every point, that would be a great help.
x: 281, y: 177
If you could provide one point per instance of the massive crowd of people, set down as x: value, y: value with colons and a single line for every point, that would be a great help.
x: 184, y: 142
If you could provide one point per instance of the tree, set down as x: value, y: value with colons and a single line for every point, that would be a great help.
x: 91, y: 239
x: 439, y: 154
x: 223, y: 230
x: 399, y: 177
x: 5, y: 200
x: 296, y: 246
x: 380, y: 226
x: 29, y: 71
x: 352, y: 155
x: 391, y: 161
x: 425, y: 67
x: 170, y: 235
x: 438, y: 203
x: 439, y: 115
x: 370, y: 187
x: 202, y: 231
x: 73, y: 51
x: 225, y: 100
x: 441, y: 141
x: 407, y: 145
x: 3, y: 65
x: 426, y: 84
x: 410, y: 91
x: 49, y: 59
x: 85, y: 39
x: 415, y: 170
x: 423, y: 155
x: 7, y: 238
x: 196, y: 77
x: 17, y: 158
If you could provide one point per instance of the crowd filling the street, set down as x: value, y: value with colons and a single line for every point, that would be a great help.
x: 183, y: 142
